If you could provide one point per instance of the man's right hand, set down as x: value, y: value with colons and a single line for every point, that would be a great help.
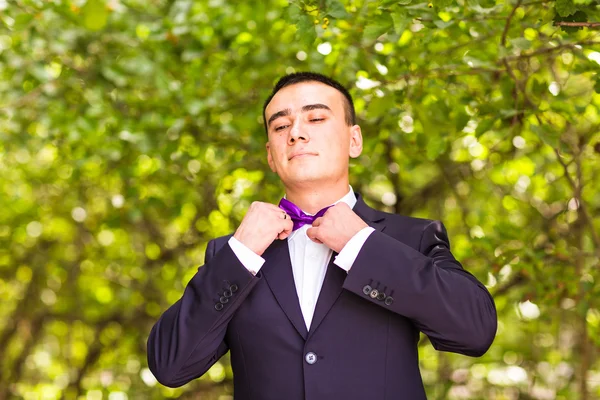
x: 262, y: 224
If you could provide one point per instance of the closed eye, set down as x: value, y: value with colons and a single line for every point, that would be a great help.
x: 281, y: 127
x: 317, y: 119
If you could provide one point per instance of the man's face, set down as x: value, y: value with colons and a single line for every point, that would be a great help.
x: 309, y: 140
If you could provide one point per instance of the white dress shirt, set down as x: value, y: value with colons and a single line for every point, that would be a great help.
x: 309, y: 260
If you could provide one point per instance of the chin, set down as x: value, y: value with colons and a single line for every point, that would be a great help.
x: 308, y: 176
x: 308, y: 173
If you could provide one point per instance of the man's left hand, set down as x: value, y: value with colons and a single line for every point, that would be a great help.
x: 336, y: 227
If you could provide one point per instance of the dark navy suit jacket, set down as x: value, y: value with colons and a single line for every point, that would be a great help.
x: 364, y: 333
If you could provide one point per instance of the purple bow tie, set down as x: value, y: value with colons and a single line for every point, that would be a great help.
x: 299, y: 217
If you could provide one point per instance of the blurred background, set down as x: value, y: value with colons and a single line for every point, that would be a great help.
x: 131, y: 134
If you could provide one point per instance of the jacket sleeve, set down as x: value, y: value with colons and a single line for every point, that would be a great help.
x: 430, y: 287
x: 190, y: 336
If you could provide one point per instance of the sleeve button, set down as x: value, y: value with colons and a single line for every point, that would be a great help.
x: 389, y: 300
x: 367, y: 289
x: 233, y: 288
x: 227, y: 293
x: 223, y: 300
x: 218, y: 306
x: 381, y: 296
x: 374, y: 293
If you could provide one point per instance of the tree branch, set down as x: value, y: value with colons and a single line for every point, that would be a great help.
x: 516, y: 280
x: 508, y: 20
x: 578, y: 24
x: 546, y: 50
x: 584, y: 212
x: 447, y: 71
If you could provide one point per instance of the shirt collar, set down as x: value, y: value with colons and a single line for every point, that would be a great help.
x: 349, y: 198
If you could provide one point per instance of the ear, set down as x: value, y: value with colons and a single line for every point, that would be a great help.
x: 270, y: 158
x: 356, y: 141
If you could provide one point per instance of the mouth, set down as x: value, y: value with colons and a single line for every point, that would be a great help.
x: 301, y: 155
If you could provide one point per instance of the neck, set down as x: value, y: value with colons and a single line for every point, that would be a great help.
x: 314, y: 198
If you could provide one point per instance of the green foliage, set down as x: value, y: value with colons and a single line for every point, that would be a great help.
x: 95, y: 15
x: 564, y: 8
x: 336, y: 9
x: 131, y: 134
x: 377, y: 26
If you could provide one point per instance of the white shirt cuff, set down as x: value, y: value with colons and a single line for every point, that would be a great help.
x: 249, y: 259
x: 348, y: 254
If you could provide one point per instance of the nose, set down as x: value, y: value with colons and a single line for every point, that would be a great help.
x: 298, y: 133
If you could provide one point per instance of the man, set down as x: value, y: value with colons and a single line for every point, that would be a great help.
x: 329, y: 308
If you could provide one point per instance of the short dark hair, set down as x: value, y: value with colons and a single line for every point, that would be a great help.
x: 299, y: 77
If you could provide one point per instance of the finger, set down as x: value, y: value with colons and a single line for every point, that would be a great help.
x: 316, y: 241
x: 271, y: 207
x: 288, y: 227
x: 277, y: 212
x: 313, y: 234
x: 317, y: 221
x: 274, y: 207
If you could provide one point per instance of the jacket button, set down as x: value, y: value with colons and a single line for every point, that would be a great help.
x: 233, y: 288
x: 227, y: 293
x: 381, y: 296
x: 310, y: 357
x: 223, y: 299
x: 367, y: 289
x: 374, y: 293
x: 389, y: 300
x: 218, y: 306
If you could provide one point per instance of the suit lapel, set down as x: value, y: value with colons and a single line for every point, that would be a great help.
x: 330, y: 291
x: 368, y: 214
x: 335, y: 276
x: 277, y: 271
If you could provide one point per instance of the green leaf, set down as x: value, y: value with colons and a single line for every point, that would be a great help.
x: 22, y: 20
x: 306, y: 30
x: 95, y: 15
x: 508, y: 113
x: 391, y: 3
x: 563, y: 107
x: 293, y: 12
x: 401, y: 20
x: 521, y: 43
x: 539, y: 86
x: 336, y: 9
x: 377, y: 27
x: 460, y: 120
x: 435, y: 147
x: 443, y: 24
x: 484, y: 126
x: 564, y: 8
x: 597, y: 85
x: 548, y: 135
x: 442, y: 3
x: 481, y: 10
x: 477, y: 63
x: 547, y: 17
x: 380, y: 106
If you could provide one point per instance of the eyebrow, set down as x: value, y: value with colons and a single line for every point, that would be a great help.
x: 287, y: 111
